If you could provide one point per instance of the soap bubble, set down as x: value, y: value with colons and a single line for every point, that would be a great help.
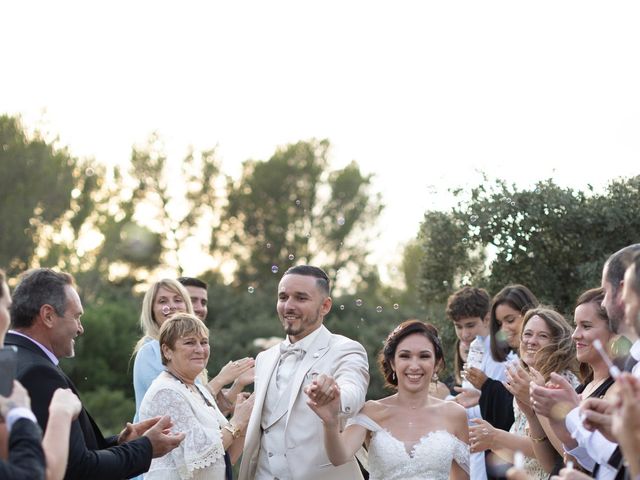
x: 250, y: 289
x: 359, y: 302
x: 274, y: 269
x: 379, y: 309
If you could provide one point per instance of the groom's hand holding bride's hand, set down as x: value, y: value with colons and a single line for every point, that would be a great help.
x: 324, y: 398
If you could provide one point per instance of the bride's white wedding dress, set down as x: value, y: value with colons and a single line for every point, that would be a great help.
x: 430, y: 458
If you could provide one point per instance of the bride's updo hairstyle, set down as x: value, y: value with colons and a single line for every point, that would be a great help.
x: 402, y: 331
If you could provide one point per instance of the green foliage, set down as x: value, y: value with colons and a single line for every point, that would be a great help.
x: 552, y: 239
x: 289, y: 210
x: 44, y: 191
x: 110, y: 408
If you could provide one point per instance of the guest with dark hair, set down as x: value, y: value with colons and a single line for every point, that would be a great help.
x: 468, y: 309
x: 410, y: 434
x: 282, y: 436
x: 508, y: 308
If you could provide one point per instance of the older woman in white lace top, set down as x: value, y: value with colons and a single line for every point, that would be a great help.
x: 411, y: 434
x: 184, y: 344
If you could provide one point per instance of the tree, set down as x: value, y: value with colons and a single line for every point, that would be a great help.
x: 46, y: 198
x: 552, y: 239
x: 289, y: 209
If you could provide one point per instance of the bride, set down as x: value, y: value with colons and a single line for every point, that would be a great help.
x: 411, y: 434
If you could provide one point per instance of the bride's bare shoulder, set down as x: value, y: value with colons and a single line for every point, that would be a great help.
x: 377, y: 409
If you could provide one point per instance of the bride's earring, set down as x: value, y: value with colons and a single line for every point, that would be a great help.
x: 393, y: 376
x: 434, y: 378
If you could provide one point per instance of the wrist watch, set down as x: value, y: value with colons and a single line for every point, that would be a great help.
x: 231, y: 428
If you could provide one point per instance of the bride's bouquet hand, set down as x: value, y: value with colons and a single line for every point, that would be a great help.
x: 329, y: 409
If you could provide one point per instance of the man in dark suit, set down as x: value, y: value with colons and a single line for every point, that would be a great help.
x: 45, y: 315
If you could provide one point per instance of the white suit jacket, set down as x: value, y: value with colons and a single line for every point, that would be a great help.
x: 346, y: 361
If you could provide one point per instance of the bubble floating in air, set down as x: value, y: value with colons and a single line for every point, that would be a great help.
x: 274, y: 269
x: 379, y: 309
x: 250, y: 289
x: 341, y: 221
x: 359, y: 302
x: 341, y: 307
x: 292, y: 256
x: 396, y: 306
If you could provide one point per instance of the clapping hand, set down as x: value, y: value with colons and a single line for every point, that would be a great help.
x: 230, y: 372
x: 160, y: 436
x: 481, y: 435
x: 65, y: 401
x: 518, y: 380
x: 474, y: 376
x: 467, y: 397
x: 597, y: 415
x: 555, y: 399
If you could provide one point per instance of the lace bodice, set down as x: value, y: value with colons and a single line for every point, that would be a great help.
x: 201, y: 453
x: 431, y: 458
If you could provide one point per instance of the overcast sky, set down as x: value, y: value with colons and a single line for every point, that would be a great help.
x: 425, y: 95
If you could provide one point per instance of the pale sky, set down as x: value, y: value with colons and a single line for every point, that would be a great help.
x: 425, y: 95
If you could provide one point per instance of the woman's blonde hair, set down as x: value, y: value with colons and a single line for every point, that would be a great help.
x: 178, y: 326
x: 148, y: 323
x: 560, y: 355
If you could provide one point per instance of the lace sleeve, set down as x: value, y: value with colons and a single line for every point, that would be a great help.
x: 202, y: 445
x: 461, y: 454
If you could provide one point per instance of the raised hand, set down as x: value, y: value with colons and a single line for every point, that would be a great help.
x: 518, y: 380
x: 481, y: 435
x: 328, y: 411
x: 555, y: 399
x: 474, y: 376
x: 66, y: 402
x: 467, y: 397
x: 18, y: 398
x: 242, y: 410
x: 230, y: 372
x: 597, y: 413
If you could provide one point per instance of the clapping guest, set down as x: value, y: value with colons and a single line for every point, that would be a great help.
x: 184, y: 344
x: 545, y: 347
x: 164, y: 299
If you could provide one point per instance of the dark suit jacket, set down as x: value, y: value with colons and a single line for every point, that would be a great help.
x: 91, y: 456
x: 26, y: 458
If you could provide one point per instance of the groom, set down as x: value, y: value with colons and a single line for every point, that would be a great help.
x: 284, y: 437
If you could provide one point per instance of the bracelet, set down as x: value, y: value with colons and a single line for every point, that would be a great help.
x: 235, y: 431
x: 538, y: 440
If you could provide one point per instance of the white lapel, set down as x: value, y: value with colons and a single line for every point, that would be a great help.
x: 315, y: 352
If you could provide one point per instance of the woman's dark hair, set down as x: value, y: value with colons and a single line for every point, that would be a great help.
x: 594, y: 296
x: 458, y: 363
x: 518, y: 297
x: 402, y: 331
